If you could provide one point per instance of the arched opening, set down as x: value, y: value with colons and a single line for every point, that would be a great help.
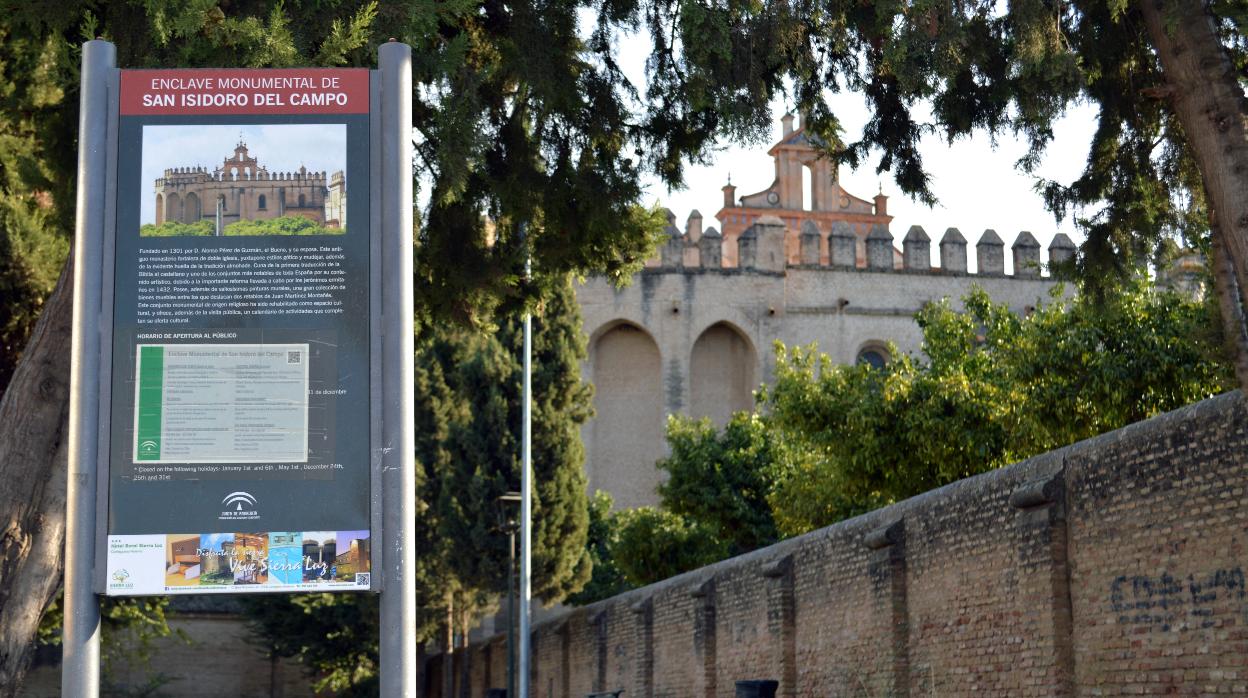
x: 874, y: 354
x: 302, y: 201
x: 192, y: 208
x: 807, y: 188
x: 626, y: 436
x: 261, y: 203
x: 173, y: 208
x: 722, y: 373
x: 160, y: 209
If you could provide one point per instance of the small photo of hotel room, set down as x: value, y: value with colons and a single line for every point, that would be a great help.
x: 182, y: 567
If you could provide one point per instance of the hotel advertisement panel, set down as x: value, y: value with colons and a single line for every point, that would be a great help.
x: 238, y: 395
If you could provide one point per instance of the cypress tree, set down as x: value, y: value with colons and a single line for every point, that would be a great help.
x: 469, y: 389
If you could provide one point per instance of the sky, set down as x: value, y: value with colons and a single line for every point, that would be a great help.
x: 278, y: 148
x: 213, y: 541
x: 321, y: 537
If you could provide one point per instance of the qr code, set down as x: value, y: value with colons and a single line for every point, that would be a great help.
x: 362, y: 579
x: 294, y: 357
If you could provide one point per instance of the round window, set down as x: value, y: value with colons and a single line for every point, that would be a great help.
x: 873, y: 356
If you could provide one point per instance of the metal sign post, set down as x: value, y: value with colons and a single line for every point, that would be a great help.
x: 398, y: 597
x: 80, y: 668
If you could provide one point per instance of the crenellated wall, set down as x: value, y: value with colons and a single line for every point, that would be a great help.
x: 771, y: 244
x: 248, y: 191
x: 1111, y: 567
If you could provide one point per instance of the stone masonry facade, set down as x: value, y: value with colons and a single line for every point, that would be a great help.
x: 1111, y: 567
x: 244, y: 189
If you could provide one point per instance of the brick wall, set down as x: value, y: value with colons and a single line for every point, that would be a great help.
x: 1114, y: 566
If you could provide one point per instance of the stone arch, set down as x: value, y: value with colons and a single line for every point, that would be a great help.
x: 192, y: 208
x: 160, y: 208
x: 625, y: 438
x: 173, y: 208
x: 261, y: 203
x: 722, y: 373
x: 873, y: 352
x: 303, y: 202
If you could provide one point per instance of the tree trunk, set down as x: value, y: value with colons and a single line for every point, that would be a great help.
x: 448, y: 655
x: 1231, y: 303
x: 464, y: 654
x: 423, y: 689
x: 33, y: 414
x: 1210, y: 104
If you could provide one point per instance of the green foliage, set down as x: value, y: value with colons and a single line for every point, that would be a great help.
x: 720, y: 479
x: 37, y: 126
x: 130, y: 628
x: 654, y: 544
x: 994, y: 388
x: 334, y: 634
x: 990, y: 388
x: 284, y: 225
x: 468, y: 411
x: 956, y: 68
x: 602, y: 539
x: 202, y: 227
x: 713, y: 504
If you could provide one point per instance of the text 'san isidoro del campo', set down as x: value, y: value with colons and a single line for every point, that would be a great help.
x: 321, y: 94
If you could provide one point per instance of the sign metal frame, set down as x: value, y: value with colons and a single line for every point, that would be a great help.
x: 107, y: 269
x: 390, y: 462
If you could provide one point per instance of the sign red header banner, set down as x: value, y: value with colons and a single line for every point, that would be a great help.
x: 193, y: 92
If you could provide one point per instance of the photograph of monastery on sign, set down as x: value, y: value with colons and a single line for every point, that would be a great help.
x: 284, y: 179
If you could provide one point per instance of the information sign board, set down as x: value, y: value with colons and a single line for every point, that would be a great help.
x: 238, y: 396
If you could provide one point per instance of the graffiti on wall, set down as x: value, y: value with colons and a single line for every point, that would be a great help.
x: 1167, y: 602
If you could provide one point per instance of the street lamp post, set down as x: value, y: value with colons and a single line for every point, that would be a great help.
x: 511, y: 527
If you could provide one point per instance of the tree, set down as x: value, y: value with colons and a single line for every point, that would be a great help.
x: 1169, y: 156
x: 473, y: 380
x: 282, y: 225
x: 994, y: 388
x: 469, y: 383
x: 33, y: 459
x: 602, y: 537
x: 713, y: 505
x: 654, y: 544
x: 720, y: 479
x: 34, y: 219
